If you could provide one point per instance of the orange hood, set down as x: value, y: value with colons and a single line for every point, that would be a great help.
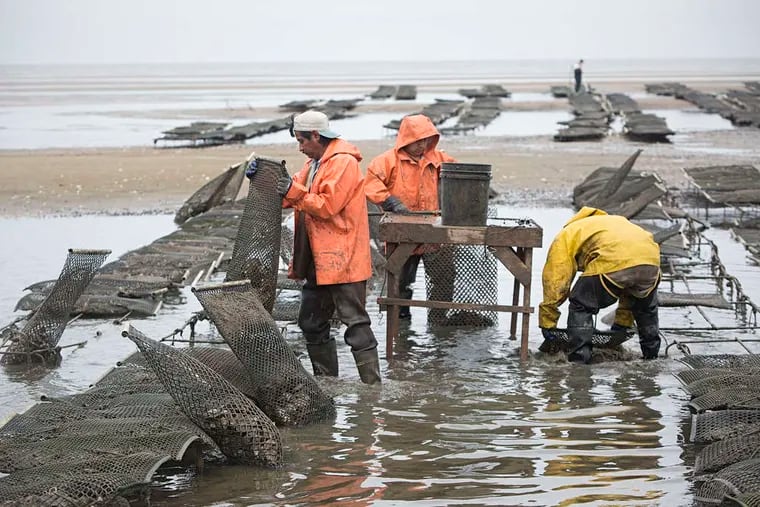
x: 416, y: 127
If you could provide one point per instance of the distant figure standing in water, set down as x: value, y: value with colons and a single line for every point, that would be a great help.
x: 578, y: 74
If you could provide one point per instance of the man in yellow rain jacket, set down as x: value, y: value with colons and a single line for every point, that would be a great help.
x: 617, y: 260
x: 331, y: 246
x: 405, y: 178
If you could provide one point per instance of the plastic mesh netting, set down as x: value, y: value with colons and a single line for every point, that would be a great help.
x: 223, y: 188
x: 717, y: 382
x: 727, y: 452
x: 721, y: 361
x: 285, y: 391
x: 461, y: 274
x: 688, y: 376
x: 748, y: 500
x: 256, y: 254
x: 23, y: 453
x: 728, y: 397
x: 90, y: 482
x: 240, y: 429
x: 734, y: 480
x: 600, y: 339
x: 712, y: 426
x: 226, y: 364
x: 44, y: 328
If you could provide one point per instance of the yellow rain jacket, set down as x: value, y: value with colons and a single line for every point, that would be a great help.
x: 396, y: 173
x: 336, y: 215
x: 594, y: 243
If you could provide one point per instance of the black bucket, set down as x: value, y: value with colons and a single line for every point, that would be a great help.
x: 464, y: 193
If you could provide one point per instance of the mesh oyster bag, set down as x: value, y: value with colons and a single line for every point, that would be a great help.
x: 727, y: 398
x: 461, y: 274
x: 726, y: 452
x: 733, y: 481
x: 256, y: 254
x: 721, y: 360
x: 94, y: 481
x: 44, y: 328
x: 712, y: 426
x: 241, y: 430
x: 285, y: 391
x: 686, y: 377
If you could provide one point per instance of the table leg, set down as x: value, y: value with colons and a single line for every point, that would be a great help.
x: 527, y: 257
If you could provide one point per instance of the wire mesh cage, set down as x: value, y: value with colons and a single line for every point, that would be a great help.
x: 712, y: 426
x: 284, y: 390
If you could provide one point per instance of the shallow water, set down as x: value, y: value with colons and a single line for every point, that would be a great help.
x: 458, y: 419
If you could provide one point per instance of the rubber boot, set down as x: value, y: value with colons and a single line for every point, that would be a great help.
x: 649, y: 339
x: 579, y: 348
x: 324, y: 358
x: 368, y: 365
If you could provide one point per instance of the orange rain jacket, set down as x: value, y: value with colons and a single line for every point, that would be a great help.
x: 594, y: 243
x: 336, y: 215
x: 395, y: 173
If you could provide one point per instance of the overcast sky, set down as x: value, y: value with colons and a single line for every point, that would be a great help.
x: 136, y: 31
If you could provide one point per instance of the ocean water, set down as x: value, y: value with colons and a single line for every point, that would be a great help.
x: 130, y: 105
x: 459, y: 419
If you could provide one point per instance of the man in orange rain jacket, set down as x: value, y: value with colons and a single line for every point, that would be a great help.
x: 405, y: 178
x: 331, y: 246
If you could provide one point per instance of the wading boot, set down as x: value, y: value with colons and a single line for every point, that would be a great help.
x: 649, y: 339
x: 324, y: 358
x: 368, y: 365
x: 579, y: 349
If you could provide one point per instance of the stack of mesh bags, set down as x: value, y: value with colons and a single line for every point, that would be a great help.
x: 725, y: 391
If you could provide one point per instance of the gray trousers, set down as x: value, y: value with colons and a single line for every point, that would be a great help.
x: 347, y: 300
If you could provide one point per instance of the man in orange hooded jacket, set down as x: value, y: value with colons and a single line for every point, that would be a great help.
x: 331, y: 246
x: 405, y: 178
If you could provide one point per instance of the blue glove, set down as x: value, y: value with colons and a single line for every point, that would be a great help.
x: 283, y: 184
x: 617, y: 328
x: 551, y: 342
x: 251, y: 169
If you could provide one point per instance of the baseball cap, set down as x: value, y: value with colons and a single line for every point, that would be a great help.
x: 314, y: 120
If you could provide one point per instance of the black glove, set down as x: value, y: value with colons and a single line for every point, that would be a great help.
x: 394, y: 205
x: 551, y: 342
x: 283, y: 184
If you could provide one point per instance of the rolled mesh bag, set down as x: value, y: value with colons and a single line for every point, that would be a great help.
x: 256, y: 254
x: 91, y: 482
x: 461, y: 274
x: 285, y: 391
x: 226, y: 364
x: 733, y: 481
x: 717, y: 382
x: 721, y: 360
x: 744, y: 500
x: 686, y: 377
x: 240, y: 429
x: 712, y: 426
x: 20, y: 454
x: 726, y: 452
x: 728, y: 398
x: 223, y: 188
x: 44, y: 328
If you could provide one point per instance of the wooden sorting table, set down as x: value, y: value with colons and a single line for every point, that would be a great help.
x: 511, y: 240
